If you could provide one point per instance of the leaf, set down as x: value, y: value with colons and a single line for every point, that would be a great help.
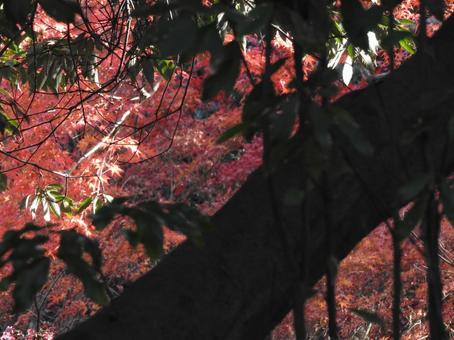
x: 91, y: 246
x: 210, y: 40
x: 437, y: 8
x: 55, y: 208
x: 178, y: 36
x: 256, y: 19
x: 407, y: 45
x: 71, y: 251
x: 66, y: 205
x: 369, y: 316
x: 165, y: 68
x: 358, y: 21
x: 106, y: 213
x: 187, y: 220
x: 3, y: 182
x: 226, y: 72
x: 30, y: 267
x: 374, y: 45
x: 18, y: 10
x: 46, y: 210
x: 231, y: 132
x: 150, y: 233
x: 61, y: 10
x: 148, y: 70
x: 29, y: 281
x: 8, y: 125
x: 84, y: 204
x: 347, y: 70
x: 410, y: 190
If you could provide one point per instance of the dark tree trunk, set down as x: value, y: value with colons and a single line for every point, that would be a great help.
x: 239, y: 286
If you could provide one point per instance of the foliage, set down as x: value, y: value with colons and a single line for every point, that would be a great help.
x: 95, y: 105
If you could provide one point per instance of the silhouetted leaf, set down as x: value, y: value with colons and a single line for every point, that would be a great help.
x: 148, y: 70
x: 61, y: 10
x: 358, y: 21
x: 178, y: 36
x: 410, y: 190
x: 106, y: 213
x: 149, y: 232
x: 226, y: 73
x: 436, y: 7
x: 29, y: 281
x: 71, y: 251
x: 3, y: 182
x: 231, y: 132
x: 18, y: 10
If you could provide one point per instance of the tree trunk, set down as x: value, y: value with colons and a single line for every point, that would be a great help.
x: 239, y: 285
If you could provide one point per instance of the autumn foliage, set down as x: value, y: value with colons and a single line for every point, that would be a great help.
x: 76, y: 152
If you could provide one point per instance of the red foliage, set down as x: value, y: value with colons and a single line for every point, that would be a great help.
x: 175, y: 158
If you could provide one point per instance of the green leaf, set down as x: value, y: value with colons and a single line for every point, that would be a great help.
x: 55, y: 208
x: 369, y: 316
x: 408, y: 45
x: 405, y: 21
x: 66, y: 205
x: 84, y: 204
x: 231, y: 132
x: 8, y: 125
x: 410, y: 190
x: 165, y: 67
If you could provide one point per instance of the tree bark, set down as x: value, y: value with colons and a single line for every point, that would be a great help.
x: 239, y: 284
